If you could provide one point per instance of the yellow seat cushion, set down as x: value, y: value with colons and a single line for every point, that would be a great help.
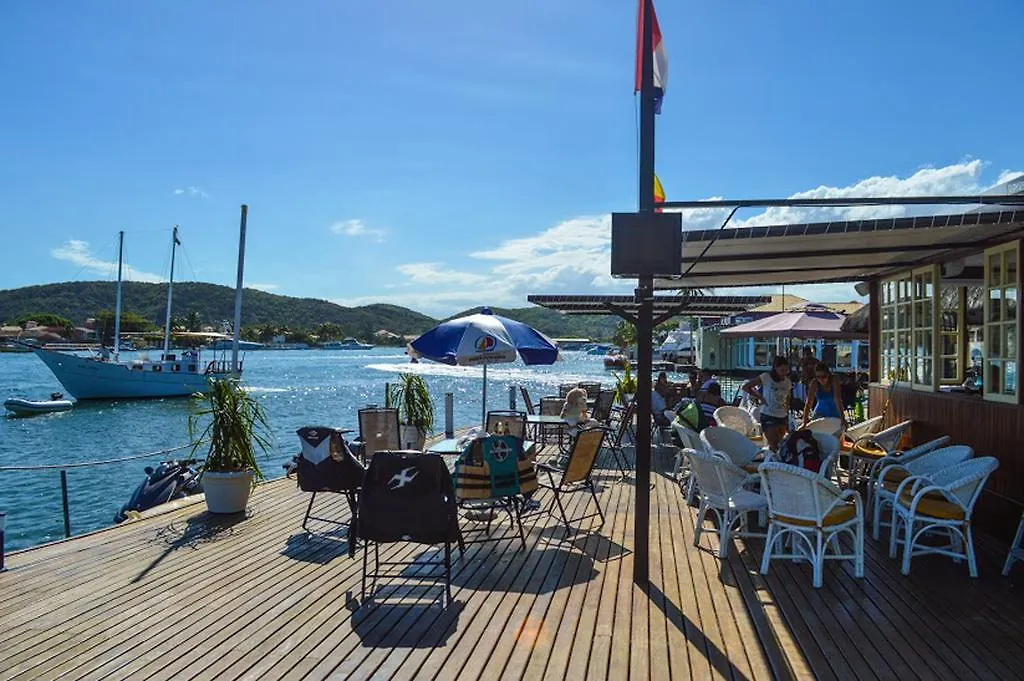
x: 868, y: 450
x: 837, y: 516
x: 751, y: 467
x: 934, y: 505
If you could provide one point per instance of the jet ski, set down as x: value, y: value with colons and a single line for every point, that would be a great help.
x: 171, y: 480
x: 21, y: 407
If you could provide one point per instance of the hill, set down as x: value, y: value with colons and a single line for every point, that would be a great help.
x: 79, y: 300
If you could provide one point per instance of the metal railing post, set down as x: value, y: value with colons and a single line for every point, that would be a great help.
x: 3, y: 523
x: 449, y: 415
x: 511, y: 398
x: 64, y: 501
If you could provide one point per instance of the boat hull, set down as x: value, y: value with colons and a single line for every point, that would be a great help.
x: 90, y: 379
x: 20, y: 407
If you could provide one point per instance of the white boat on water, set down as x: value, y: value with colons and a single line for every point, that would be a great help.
x: 21, y: 407
x: 347, y: 344
x: 105, y: 376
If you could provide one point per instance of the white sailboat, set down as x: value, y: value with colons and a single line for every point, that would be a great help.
x: 107, y: 377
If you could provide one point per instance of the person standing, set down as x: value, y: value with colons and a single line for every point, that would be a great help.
x: 808, y: 364
x: 776, y: 389
x: 825, y: 394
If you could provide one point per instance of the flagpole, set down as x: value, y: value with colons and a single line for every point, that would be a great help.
x: 645, y: 313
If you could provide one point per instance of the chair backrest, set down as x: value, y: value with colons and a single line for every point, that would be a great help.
x: 378, y: 429
x: 868, y: 427
x: 408, y: 497
x: 625, y: 421
x: 564, y: 389
x: 737, y: 445
x: 551, y: 406
x: 515, y: 422
x: 828, y: 447
x: 889, y: 439
x: 593, y: 389
x: 965, y: 480
x: 797, y: 493
x: 688, y: 437
x: 939, y: 459
x: 717, y: 477
x: 826, y: 424
x: 585, y: 448
x: 736, y: 419
x: 527, y: 402
x: 926, y: 447
x: 326, y: 464
x: 603, y: 406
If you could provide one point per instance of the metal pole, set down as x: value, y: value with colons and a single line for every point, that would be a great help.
x: 238, y: 291
x: 64, y: 501
x: 483, y: 407
x: 512, y: 398
x: 449, y: 415
x: 170, y: 294
x: 645, y: 313
x: 3, y: 523
x: 117, y: 303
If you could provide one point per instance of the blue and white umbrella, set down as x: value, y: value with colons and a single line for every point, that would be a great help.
x: 482, y: 339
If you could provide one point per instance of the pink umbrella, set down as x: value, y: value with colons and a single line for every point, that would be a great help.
x: 809, y: 323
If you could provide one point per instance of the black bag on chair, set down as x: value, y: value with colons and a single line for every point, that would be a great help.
x: 326, y: 463
x: 408, y: 497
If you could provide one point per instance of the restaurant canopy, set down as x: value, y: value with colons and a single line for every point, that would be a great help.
x: 807, y: 323
x: 834, y: 251
x: 692, y: 304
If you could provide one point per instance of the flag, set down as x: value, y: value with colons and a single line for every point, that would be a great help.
x: 177, y: 241
x: 660, y: 56
x: 659, y: 193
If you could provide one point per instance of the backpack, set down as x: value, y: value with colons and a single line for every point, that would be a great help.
x: 693, y: 416
x: 801, y: 449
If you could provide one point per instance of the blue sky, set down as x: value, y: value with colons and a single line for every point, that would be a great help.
x: 453, y: 153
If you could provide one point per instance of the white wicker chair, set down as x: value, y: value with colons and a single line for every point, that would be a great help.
x: 812, y: 513
x: 826, y: 424
x: 867, y: 449
x: 737, y: 419
x: 724, y: 491
x: 739, y: 448
x: 859, y: 430
x: 903, y: 457
x: 943, y: 502
x: 1016, y: 549
x: 681, y: 470
x: 882, y: 490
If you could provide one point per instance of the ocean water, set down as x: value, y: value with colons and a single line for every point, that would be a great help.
x: 297, y: 388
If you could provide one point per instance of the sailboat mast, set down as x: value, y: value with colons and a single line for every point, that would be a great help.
x: 117, y: 304
x: 170, y: 295
x: 238, y: 292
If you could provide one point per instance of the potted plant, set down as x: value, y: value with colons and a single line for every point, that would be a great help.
x: 415, y: 409
x: 237, y: 426
x: 625, y: 386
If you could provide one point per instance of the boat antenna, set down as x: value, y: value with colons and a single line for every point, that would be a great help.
x: 117, y: 304
x: 170, y: 294
x: 238, y: 292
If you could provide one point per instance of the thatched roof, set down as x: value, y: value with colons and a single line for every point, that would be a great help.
x: 858, y: 321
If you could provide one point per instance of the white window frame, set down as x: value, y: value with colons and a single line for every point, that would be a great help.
x: 1005, y: 326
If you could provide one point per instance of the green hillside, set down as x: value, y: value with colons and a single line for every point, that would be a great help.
x: 79, y: 300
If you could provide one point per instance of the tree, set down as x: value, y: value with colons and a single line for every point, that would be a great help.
x: 625, y: 334
x: 45, y: 319
x: 193, y: 322
x: 329, y: 331
x: 130, y: 323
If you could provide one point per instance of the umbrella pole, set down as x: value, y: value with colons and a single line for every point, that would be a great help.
x: 483, y: 406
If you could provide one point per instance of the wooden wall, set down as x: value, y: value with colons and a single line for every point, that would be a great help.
x: 992, y: 429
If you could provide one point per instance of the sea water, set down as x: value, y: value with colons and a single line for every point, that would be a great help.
x: 297, y: 388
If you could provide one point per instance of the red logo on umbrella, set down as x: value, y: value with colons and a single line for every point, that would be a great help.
x: 485, y: 343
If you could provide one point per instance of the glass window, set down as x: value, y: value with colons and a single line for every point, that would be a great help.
x: 951, y: 321
x: 1000, y: 334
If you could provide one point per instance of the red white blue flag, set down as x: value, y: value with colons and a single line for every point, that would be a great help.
x: 660, y: 56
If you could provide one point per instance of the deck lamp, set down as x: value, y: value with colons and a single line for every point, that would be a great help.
x: 3, y: 521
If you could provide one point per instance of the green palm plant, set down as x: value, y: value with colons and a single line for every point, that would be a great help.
x: 235, y: 429
x: 412, y: 399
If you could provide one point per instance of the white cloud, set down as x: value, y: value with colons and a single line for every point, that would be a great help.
x: 76, y: 252
x: 264, y: 287
x: 573, y: 256
x: 357, y: 228
x: 1008, y: 175
x: 196, y: 192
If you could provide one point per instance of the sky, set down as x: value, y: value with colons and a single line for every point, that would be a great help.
x: 450, y: 154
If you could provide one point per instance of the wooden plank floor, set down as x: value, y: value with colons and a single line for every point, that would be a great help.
x: 183, y: 597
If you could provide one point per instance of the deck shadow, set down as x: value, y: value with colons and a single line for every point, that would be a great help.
x: 330, y: 545
x: 377, y: 623
x: 599, y: 547
x: 577, y: 568
x: 198, y: 530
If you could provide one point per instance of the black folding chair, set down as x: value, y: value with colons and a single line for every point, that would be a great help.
x: 407, y: 497
x: 618, y: 436
x: 575, y: 476
x: 326, y: 464
x: 378, y: 431
x: 515, y: 422
x: 527, y: 402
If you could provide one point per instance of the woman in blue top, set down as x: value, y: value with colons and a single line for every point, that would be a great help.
x: 824, y: 393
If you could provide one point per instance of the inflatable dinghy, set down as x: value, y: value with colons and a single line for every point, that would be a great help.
x: 20, y: 407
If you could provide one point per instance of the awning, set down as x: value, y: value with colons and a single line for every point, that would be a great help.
x: 693, y: 305
x: 796, y: 324
x: 835, y: 251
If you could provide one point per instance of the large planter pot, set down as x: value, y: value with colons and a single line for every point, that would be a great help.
x: 412, y: 438
x: 227, y: 492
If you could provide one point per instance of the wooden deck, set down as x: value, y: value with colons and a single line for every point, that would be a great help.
x: 180, y: 597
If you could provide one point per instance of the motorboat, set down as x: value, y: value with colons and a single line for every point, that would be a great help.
x: 616, y: 361
x: 347, y: 344
x: 21, y: 407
